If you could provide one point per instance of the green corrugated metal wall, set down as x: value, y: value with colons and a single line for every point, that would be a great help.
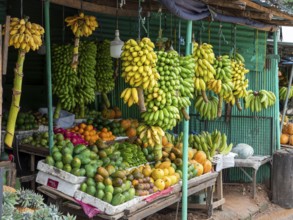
x: 249, y: 42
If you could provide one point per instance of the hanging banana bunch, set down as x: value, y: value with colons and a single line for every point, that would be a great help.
x: 24, y: 36
x: 81, y: 25
x: 257, y: 101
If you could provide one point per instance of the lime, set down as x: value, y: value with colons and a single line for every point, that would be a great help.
x: 67, y: 158
x: 59, y: 164
x: 76, y: 162
x: 57, y: 156
x: 83, y: 187
x: 67, y: 168
x: 49, y: 160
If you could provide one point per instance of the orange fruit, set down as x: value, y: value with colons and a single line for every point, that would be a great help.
x: 207, y: 167
x: 82, y: 125
x: 80, y: 131
x: 89, y: 127
x: 92, y: 132
x: 87, y: 138
x: 76, y: 128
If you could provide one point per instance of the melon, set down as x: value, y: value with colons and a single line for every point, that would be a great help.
x: 290, y: 129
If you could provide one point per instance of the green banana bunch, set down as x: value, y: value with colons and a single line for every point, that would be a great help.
x: 160, y: 111
x: 207, y: 110
x: 223, y: 69
x: 187, y: 65
x: 260, y: 100
x: 104, y: 68
x: 74, y: 89
x: 169, y: 69
x: 283, y: 93
x: 64, y: 78
x: 211, y: 143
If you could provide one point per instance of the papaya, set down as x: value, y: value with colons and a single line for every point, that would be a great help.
x: 118, y: 199
x: 79, y: 148
x: 117, y: 182
x: 119, y: 174
x: 103, y: 172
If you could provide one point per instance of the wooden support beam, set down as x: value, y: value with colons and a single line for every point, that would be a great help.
x: 263, y: 9
x: 227, y: 4
x: 92, y: 7
x: 246, y: 14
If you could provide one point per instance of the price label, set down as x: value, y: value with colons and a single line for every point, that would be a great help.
x: 52, y: 183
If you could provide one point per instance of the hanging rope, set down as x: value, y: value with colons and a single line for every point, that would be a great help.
x: 139, y: 15
x: 234, y: 41
x: 21, y: 8
x: 202, y: 29
x: 209, y: 33
x: 256, y: 59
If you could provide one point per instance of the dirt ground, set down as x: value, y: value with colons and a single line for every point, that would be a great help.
x: 238, y: 205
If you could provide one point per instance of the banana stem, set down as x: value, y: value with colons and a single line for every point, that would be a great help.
x: 141, y: 100
x: 220, y: 104
x: 204, y: 95
x: 75, y: 54
x: 106, y: 100
x: 185, y: 114
x: 82, y: 110
x: 238, y: 104
x: 57, y: 110
x: 16, y: 95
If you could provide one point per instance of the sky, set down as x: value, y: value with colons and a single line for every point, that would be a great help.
x: 287, y: 34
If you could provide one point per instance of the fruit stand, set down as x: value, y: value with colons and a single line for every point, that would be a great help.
x: 114, y: 165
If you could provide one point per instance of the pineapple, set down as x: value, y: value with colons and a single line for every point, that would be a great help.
x: 30, y: 199
x: 68, y: 217
x: 23, y: 210
x: 9, y: 189
x: 9, y: 199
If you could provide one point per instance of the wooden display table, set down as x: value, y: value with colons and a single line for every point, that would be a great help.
x: 254, y: 162
x: 144, y: 209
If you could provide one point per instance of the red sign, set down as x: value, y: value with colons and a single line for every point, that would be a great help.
x: 52, y: 183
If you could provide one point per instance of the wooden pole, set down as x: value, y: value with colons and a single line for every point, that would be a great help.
x: 5, y: 45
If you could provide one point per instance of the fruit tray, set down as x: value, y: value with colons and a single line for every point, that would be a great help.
x: 42, y: 166
x: 104, y: 206
x: 57, y: 183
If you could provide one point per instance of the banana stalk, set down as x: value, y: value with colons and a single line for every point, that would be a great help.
x: 220, y: 105
x: 106, y: 100
x: 14, y: 108
x: 57, y: 110
x: 238, y: 104
x: 141, y: 100
x: 75, y: 54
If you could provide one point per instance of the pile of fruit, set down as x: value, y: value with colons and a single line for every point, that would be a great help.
x: 87, y: 132
x: 26, y: 204
x: 37, y: 140
x: 24, y: 121
x: 68, y: 135
x: 287, y: 134
x: 210, y: 143
x: 114, y: 113
x: 42, y: 119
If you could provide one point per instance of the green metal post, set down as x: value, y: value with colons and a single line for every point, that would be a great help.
x: 277, y: 123
x: 185, y: 135
x: 49, y: 72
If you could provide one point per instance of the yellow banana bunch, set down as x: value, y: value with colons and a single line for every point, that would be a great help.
x: 139, y: 63
x: 81, y: 24
x: 204, y: 59
x: 130, y: 96
x: 215, y: 85
x: 25, y: 35
x: 238, y: 78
